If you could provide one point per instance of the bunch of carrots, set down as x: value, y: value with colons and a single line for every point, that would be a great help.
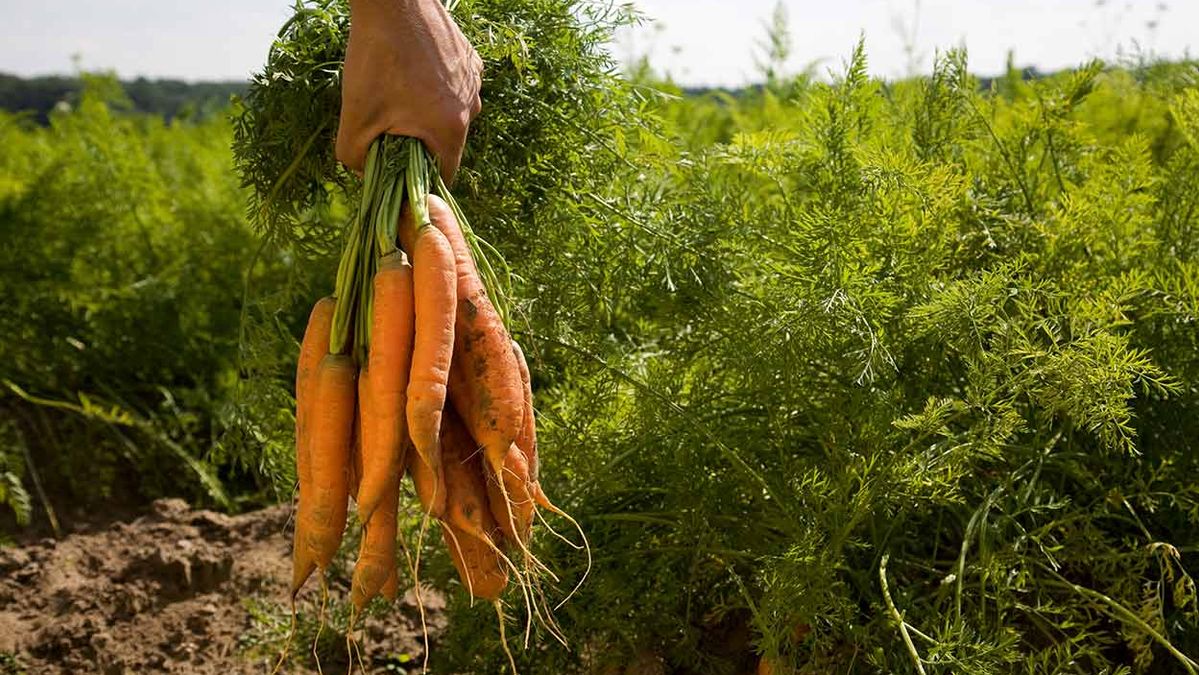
x: 410, y: 369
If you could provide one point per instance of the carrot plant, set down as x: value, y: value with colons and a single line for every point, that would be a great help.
x: 904, y: 382
x: 887, y: 377
x: 123, y: 255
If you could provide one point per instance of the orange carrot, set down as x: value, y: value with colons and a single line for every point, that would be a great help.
x: 492, y: 401
x: 526, y: 440
x: 383, y: 390
x: 434, y: 302
x: 312, y: 349
x: 425, y: 483
x: 377, y: 553
x: 512, y: 503
x: 478, y: 563
x: 332, y: 437
x: 354, y: 477
x: 541, y: 500
x: 391, y: 587
x: 466, y: 490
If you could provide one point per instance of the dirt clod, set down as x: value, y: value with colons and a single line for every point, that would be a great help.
x: 175, y: 591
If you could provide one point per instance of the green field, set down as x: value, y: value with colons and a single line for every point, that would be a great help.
x: 864, y: 376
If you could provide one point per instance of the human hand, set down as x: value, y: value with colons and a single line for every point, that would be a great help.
x: 409, y: 71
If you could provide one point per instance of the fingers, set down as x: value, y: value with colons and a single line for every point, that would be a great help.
x: 449, y: 167
x: 453, y: 158
x: 477, y: 66
x: 450, y: 147
x: 354, y: 134
x: 349, y: 152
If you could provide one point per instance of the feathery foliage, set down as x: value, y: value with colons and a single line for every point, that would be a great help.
x: 123, y: 254
x: 904, y: 382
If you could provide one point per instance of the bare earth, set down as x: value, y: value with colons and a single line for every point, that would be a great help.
x: 177, y: 591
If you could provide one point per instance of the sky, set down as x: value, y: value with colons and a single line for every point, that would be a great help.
x: 696, y: 42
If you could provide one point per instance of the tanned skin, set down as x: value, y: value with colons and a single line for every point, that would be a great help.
x: 409, y: 72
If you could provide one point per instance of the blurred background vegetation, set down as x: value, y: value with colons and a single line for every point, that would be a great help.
x: 864, y: 376
x: 132, y: 279
x: 38, y: 96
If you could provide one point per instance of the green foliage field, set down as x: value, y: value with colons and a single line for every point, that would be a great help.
x: 867, y: 377
x: 909, y: 331
x: 135, y: 295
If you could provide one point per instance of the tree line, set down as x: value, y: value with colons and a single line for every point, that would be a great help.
x: 37, y: 96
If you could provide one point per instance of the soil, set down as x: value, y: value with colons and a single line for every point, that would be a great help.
x: 179, y: 590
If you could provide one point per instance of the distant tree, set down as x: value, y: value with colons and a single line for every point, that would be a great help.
x: 168, y: 98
